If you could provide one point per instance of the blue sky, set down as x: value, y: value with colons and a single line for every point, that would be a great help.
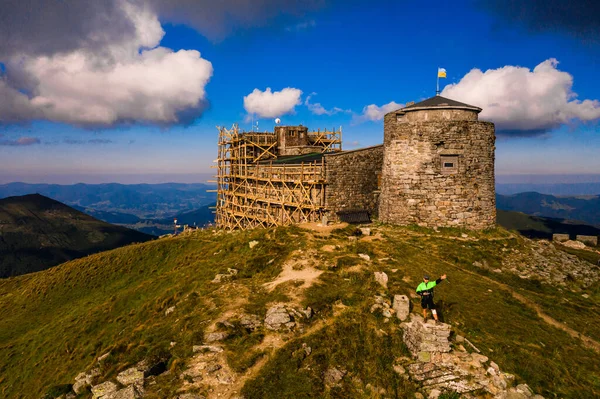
x: 351, y: 55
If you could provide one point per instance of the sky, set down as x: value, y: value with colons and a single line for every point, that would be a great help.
x: 132, y: 91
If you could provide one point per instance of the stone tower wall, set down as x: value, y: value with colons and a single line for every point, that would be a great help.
x: 353, y: 180
x: 440, y: 114
x: 417, y: 189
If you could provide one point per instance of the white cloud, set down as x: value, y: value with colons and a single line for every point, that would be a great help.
x: 522, y: 100
x: 376, y: 113
x: 272, y: 104
x: 318, y: 109
x: 133, y: 79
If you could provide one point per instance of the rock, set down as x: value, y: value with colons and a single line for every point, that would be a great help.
x: 232, y: 272
x: 252, y: 244
x: 399, y: 369
x: 172, y: 344
x: 307, y: 349
x: 104, y: 390
x: 214, y: 367
x: 216, y: 336
x: 459, y: 338
x: 381, y: 278
x: 308, y: 312
x: 497, y: 270
x: 131, y: 376
x: 574, y: 244
x: 190, y: 396
x: 103, y: 357
x: 419, y: 395
x: 206, y: 348
x: 364, y: 257
x: 365, y: 231
x: 250, y: 321
x: 463, y: 235
x: 80, y: 385
x: 130, y: 392
x: 514, y: 394
x: 586, y: 296
x: 220, y: 278
x: 524, y: 389
x: 401, y: 306
x: 169, y: 310
x: 333, y: 376
x: 375, y: 307
x: 434, y: 394
x: 386, y: 313
x: 495, y: 367
x: 276, y: 317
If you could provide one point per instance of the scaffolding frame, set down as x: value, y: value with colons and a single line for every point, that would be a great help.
x: 253, y: 191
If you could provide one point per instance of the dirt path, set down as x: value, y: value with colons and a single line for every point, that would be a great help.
x: 587, y: 341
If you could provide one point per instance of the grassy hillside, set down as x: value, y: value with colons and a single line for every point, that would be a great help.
x: 37, y: 233
x: 158, y: 299
x: 542, y: 227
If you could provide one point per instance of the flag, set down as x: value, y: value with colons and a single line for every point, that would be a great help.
x: 441, y: 73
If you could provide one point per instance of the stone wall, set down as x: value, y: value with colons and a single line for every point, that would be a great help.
x: 439, y: 114
x: 587, y: 240
x: 353, y: 180
x: 560, y: 237
x: 417, y: 189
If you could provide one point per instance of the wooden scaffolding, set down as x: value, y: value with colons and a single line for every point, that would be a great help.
x: 258, y: 188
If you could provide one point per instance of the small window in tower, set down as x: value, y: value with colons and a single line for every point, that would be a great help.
x: 293, y: 133
x: 449, y: 164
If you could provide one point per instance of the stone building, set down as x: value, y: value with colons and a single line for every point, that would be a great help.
x: 438, y: 166
x: 435, y: 168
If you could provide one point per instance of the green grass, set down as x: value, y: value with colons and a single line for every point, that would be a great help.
x: 55, y: 323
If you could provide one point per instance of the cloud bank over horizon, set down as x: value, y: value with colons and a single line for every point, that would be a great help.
x: 523, y: 101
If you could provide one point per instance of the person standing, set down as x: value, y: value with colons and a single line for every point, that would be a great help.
x: 425, y: 290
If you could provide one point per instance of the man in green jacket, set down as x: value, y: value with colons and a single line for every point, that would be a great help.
x: 425, y: 289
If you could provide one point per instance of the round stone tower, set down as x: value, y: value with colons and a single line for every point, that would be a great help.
x: 438, y: 166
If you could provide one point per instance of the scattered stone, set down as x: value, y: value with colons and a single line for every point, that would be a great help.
x: 399, y: 369
x: 386, y: 313
x: 434, y: 394
x: 463, y: 235
x: 130, y: 392
x: 214, y: 367
x: 307, y: 349
x: 419, y: 395
x: 477, y: 264
x: 381, y: 278
x: 401, y: 306
x: 103, y: 357
x: 206, y: 348
x: 308, y: 312
x: 80, y: 385
x: 276, y: 317
x: 459, y: 339
x: 497, y: 270
x: 250, y: 322
x: 586, y: 296
x: 574, y: 244
x: 104, y: 390
x: 365, y: 231
x: 169, y: 310
x: 524, y: 388
x: 252, y: 244
x: 333, y: 376
x: 131, y: 376
x: 190, y: 396
x: 216, y: 336
x: 364, y: 257
x: 172, y: 344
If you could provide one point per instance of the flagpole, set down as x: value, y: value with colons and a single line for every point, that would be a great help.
x: 437, y: 90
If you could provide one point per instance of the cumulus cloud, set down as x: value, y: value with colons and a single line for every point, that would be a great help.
x: 20, y: 142
x: 318, y: 109
x: 578, y: 18
x: 376, y: 113
x: 524, y: 101
x: 112, y: 80
x: 272, y: 104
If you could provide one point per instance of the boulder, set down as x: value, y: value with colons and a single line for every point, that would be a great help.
x: 252, y: 244
x: 401, y: 305
x: 333, y: 376
x: 364, y: 257
x: 365, y: 231
x: 131, y: 376
x: 104, y: 390
x: 216, y: 336
x: 381, y: 278
x: 276, y: 317
x: 250, y: 321
x: 130, y: 392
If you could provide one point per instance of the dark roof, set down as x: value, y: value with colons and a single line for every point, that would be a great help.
x: 295, y: 159
x: 440, y: 102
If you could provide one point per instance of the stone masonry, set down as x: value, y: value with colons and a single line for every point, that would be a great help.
x: 353, y: 180
x: 438, y: 169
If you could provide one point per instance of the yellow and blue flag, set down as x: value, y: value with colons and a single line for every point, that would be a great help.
x: 441, y: 73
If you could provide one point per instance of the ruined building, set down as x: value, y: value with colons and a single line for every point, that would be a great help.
x: 435, y: 168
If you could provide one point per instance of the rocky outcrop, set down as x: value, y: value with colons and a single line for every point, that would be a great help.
x: 279, y: 316
x: 402, y: 306
x: 381, y: 278
x: 437, y: 368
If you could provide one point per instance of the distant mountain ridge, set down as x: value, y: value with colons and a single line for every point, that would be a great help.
x: 37, y: 233
x: 581, y: 208
x: 145, y: 201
